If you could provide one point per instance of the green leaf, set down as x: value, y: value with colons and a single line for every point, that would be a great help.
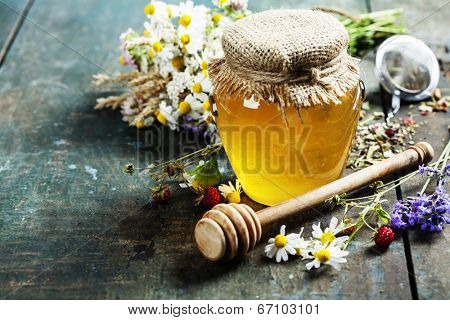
x: 382, y: 214
x: 207, y: 174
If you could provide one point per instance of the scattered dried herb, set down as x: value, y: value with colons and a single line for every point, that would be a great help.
x: 375, y: 140
x: 436, y: 104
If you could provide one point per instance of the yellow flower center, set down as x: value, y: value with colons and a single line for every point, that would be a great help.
x: 327, y: 237
x: 177, y: 62
x: 149, y: 9
x: 185, y: 39
x: 197, y: 87
x: 151, y: 53
x: 139, y: 123
x: 323, y: 255
x: 121, y: 60
x: 157, y: 46
x: 216, y: 17
x: 185, y: 20
x: 280, y: 241
x: 204, y: 65
x: 169, y: 12
x: 222, y: 2
x: 146, y: 33
x: 205, y: 72
x: 234, y: 197
x: 184, y: 107
x: 206, y: 105
x: 161, y: 118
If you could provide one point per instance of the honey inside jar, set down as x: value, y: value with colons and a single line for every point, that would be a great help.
x: 274, y: 161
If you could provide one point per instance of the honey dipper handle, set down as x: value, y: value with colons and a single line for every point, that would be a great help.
x: 421, y: 152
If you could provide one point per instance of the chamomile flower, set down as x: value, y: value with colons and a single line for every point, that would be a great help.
x: 232, y: 194
x: 166, y: 115
x: 302, y: 247
x: 329, y: 234
x: 281, y: 245
x: 330, y: 254
x: 178, y: 42
x: 191, y: 106
x: 191, y: 40
x: 157, y: 12
x: 201, y: 87
x: 203, y: 61
x: 190, y: 14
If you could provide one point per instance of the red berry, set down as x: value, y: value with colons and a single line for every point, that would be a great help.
x: 161, y: 194
x: 384, y: 237
x: 390, y: 132
x: 211, y: 197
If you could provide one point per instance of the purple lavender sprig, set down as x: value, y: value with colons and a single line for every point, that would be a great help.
x: 429, y: 212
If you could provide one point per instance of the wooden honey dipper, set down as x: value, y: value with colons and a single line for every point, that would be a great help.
x: 231, y: 230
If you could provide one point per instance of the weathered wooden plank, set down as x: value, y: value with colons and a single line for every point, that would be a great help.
x: 9, y: 23
x: 64, y: 234
x: 354, y: 7
x: 430, y: 252
x: 426, y: 20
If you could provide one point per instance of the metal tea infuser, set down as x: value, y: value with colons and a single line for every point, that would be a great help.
x: 406, y: 68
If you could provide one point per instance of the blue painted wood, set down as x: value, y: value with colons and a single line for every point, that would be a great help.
x: 426, y: 20
x: 66, y: 232
x: 9, y: 15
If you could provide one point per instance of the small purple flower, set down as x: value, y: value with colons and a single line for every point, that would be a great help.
x: 428, y: 212
x: 424, y: 170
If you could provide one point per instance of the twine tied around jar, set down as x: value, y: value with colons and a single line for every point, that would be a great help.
x: 287, y: 57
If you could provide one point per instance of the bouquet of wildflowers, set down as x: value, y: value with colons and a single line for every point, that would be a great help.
x: 169, y: 83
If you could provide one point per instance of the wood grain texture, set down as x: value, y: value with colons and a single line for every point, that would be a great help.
x: 65, y: 234
x: 430, y: 250
x: 9, y: 23
x: 428, y: 21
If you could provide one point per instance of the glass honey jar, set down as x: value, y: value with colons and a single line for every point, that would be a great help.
x: 288, y: 101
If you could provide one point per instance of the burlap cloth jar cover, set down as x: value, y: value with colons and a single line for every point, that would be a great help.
x: 289, y: 57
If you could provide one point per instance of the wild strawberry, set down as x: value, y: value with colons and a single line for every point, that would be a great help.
x: 211, y: 197
x: 384, y: 237
x: 161, y: 194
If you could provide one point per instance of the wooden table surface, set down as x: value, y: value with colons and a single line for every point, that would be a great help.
x: 65, y: 233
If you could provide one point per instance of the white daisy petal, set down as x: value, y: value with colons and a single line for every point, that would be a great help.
x: 309, y: 265
x: 290, y: 249
x: 292, y: 236
x: 333, y: 223
x: 271, y: 251
x: 284, y: 255
x: 278, y: 256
